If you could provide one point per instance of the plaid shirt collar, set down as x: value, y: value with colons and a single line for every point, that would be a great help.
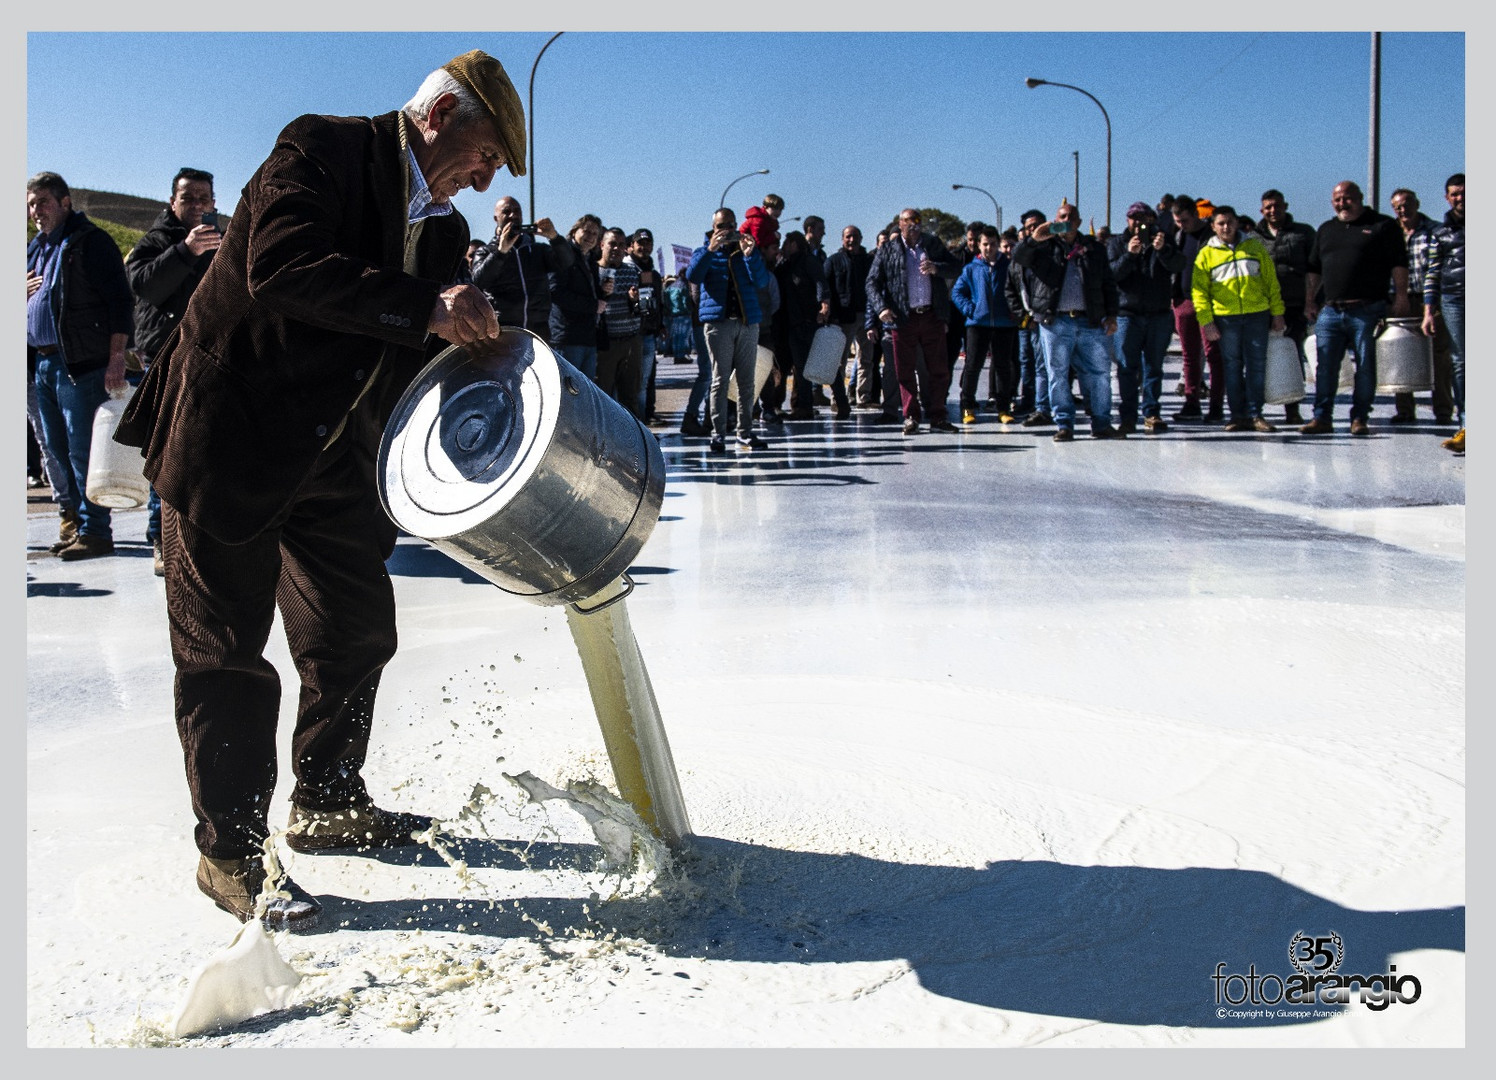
x: 421, y: 204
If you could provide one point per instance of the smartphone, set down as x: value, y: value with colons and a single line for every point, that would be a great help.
x: 210, y: 218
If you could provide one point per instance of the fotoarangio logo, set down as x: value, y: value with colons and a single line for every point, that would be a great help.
x: 1316, y: 980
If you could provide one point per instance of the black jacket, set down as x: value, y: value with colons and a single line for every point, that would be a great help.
x: 517, y: 281
x: 846, y: 284
x: 574, y: 296
x: 887, y: 286
x: 1290, y: 248
x: 1145, y: 282
x: 163, y: 275
x: 801, y: 285
x: 91, y: 302
x: 1048, y: 259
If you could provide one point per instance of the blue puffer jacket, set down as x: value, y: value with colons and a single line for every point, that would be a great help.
x: 710, y: 269
x: 978, y: 293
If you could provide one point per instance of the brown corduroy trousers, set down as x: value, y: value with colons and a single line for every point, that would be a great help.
x: 323, y: 564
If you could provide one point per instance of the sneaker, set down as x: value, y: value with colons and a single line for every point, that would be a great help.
x: 911, y: 426
x: 968, y: 417
x: 717, y: 446
x: 1260, y: 424
x: 1317, y: 426
x: 235, y: 886
x: 1038, y: 419
x: 1154, y: 425
x: 1064, y: 434
x: 354, y: 828
x: 87, y: 547
x: 694, y: 428
x: 942, y: 425
x: 1238, y: 425
x: 158, y: 563
x: 1360, y: 427
x: 34, y: 482
x: 1215, y: 416
x: 1108, y: 432
x: 67, y: 531
x: 751, y: 442
x: 1455, y: 442
x: 1189, y: 411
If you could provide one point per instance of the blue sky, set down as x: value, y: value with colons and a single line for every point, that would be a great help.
x: 648, y: 128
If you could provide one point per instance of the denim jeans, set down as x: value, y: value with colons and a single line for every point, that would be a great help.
x: 1244, y: 355
x: 581, y: 357
x: 1334, y: 332
x: 67, y: 406
x: 56, y: 471
x: 703, y: 383
x: 1033, y: 381
x: 647, y: 355
x: 1145, y: 341
x: 1453, y: 312
x: 1074, y: 341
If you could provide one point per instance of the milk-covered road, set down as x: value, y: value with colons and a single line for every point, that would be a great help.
x: 986, y: 741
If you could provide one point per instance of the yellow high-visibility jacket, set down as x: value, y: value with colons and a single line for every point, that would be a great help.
x: 1234, y: 279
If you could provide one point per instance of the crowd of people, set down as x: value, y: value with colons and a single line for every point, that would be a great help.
x: 1047, y: 309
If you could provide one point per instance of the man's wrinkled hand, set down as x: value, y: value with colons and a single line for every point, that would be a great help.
x: 203, y: 238
x: 463, y: 316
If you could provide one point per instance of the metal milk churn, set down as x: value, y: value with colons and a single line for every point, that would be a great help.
x: 1405, y: 357
x: 516, y: 465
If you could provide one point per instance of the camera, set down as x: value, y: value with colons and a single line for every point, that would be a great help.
x: 1145, y: 232
x: 528, y: 230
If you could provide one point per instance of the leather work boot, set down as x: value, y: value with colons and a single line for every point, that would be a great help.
x: 87, y: 547
x: 356, y: 827
x: 1317, y: 426
x: 1455, y: 443
x: 67, y: 531
x: 235, y: 885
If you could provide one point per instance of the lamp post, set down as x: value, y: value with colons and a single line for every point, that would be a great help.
x: 531, y: 110
x: 1031, y: 83
x: 1077, y: 180
x: 755, y: 172
x: 998, y: 210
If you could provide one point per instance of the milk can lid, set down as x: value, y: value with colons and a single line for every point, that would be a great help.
x: 468, y: 433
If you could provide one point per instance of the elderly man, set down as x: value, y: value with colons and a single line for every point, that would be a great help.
x: 1075, y: 304
x: 1418, y: 233
x: 1356, y: 253
x: 78, y: 322
x: 513, y: 270
x: 261, y: 420
x: 908, y: 285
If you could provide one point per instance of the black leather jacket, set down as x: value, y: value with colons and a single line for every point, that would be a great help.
x: 1048, y: 260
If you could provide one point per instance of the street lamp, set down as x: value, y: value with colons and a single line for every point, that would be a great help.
x: 755, y: 172
x: 1031, y: 83
x: 998, y: 210
x: 531, y: 111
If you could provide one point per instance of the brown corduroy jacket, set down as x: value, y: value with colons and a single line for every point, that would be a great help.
x: 302, y: 301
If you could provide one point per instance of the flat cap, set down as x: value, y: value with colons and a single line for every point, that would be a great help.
x: 485, y: 77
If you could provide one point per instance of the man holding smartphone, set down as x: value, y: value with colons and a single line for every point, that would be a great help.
x: 164, y: 270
